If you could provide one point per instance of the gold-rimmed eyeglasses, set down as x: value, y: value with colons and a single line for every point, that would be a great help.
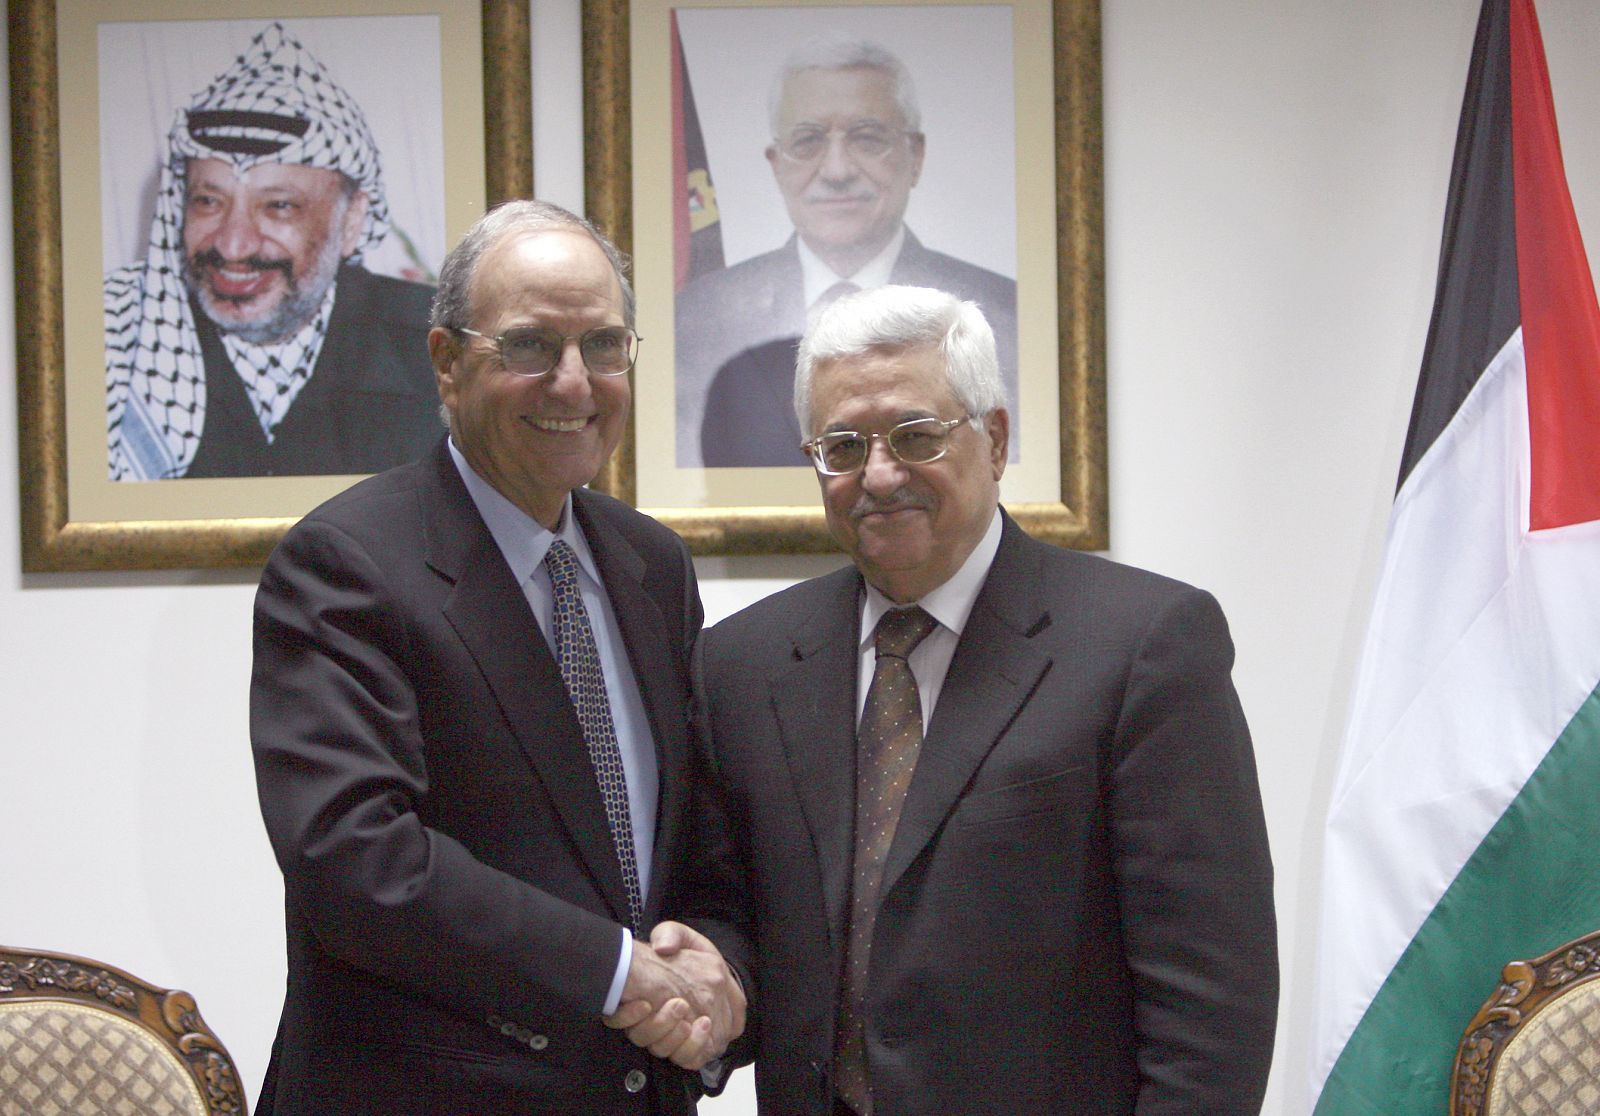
x: 917, y: 442
x: 535, y: 350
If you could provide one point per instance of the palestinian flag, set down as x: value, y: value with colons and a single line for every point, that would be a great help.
x: 1464, y: 827
x: 697, y: 224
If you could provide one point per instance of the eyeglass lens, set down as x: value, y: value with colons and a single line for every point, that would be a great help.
x: 534, y: 351
x: 916, y: 443
x: 863, y: 141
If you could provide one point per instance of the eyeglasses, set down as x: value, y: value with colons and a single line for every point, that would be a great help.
x: 862, y: 142
x: 534, y: 350
x: 841, y: 452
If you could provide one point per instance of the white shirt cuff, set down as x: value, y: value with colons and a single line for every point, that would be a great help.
x: 620, y: 978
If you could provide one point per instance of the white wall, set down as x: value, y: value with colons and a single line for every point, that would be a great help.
x: 1275, y: 179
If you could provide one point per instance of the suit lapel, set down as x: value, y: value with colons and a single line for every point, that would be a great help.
x: 490, y: 613
x: 814, y: 699
x: 650, y: 653
x: 992, y: 675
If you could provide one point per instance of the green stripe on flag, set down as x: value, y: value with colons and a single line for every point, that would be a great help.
x: 1530, y: 886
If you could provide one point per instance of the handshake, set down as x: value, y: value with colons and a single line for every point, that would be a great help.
x: 681, y: 1000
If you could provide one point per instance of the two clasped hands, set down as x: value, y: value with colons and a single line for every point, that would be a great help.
x: 681, y: 1000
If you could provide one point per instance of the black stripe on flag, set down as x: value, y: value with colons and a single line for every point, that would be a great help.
x: 1476, y: 306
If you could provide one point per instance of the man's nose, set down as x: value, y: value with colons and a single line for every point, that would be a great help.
x: 569, y: 379
x: 883, y: 472
x: 237, y: 235
x: 837, y: 165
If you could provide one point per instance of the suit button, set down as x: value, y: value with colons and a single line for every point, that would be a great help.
x: 538, y: 1042
x: 634, y: 1082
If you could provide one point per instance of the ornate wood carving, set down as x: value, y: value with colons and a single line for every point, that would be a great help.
x: 1525, y: 987
x: 169, y: 1015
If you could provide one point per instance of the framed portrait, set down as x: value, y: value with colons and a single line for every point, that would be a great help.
x: 756, y: 157
x: 264, y: 188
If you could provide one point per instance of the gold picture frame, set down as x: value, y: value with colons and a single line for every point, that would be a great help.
x: 1078, y: 516
x: 53, y: 538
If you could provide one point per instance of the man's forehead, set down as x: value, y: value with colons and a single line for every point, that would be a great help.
x: 864, y: 92
x: 542, y: 260
x: 892, y: 383
x: 220, y: 172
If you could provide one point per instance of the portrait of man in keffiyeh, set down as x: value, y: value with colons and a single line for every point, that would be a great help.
x: 251, y: 341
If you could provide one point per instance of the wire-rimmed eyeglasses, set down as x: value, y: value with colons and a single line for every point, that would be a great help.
x: 535, y: 350
x: 866, y: 142
x: 917, y: 442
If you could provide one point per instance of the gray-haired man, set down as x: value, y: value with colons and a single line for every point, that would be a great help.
x: 250, y: 341
x: 846, y: 152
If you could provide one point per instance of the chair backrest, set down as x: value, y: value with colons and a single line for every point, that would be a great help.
x: 1534, y: 1048
x: 78, y: 1038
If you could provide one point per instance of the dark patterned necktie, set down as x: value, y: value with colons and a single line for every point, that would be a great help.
x: 579, y: 660
x: 886, y: 754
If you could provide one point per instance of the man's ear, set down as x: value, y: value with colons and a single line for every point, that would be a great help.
x: 355, y: 215
x: 443, y: 349
x: 998, y: 427
x: 919, y: 150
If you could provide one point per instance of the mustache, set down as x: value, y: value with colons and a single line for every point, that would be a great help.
x: 211, y: 258
x: 902, y: 499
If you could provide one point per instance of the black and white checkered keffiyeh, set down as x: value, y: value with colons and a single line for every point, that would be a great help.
x: 275, y: 104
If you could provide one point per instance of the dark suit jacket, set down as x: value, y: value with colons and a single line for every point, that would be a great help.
x: 371, y: 402
x: 737, y: 334
x: 453, y: 897
x: 1077, y: 908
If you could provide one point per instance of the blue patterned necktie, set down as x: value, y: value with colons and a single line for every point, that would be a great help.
x: 887, y: 743
x: 579, y: 660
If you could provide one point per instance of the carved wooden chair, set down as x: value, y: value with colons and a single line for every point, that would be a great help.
x: 78, y: 1038
x: 1534, y: 1048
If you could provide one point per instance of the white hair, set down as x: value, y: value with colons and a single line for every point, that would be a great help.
x: 893, y: 318
x: 840, y: 51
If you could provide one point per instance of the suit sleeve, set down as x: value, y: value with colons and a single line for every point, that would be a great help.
x: 716, y: 888
x: 341, y: 767
x: 1194, y: 876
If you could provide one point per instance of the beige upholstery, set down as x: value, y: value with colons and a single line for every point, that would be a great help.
x: 78, y: 1038
x: 1534, y: 1048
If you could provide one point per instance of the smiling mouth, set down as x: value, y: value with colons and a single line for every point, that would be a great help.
x: 558, y: 426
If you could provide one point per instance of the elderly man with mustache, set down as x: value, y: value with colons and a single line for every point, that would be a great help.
x: 991, y: 835
x: 847, y: 150
x: 250, y: 341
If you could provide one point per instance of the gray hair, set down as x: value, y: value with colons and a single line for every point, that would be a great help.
x: 452, y: 303
x: 893, y: 318
x: 840, y: 51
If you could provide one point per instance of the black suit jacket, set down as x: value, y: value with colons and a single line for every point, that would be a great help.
x: 737, y: 334
x: 1077, y: 906
x: 371, y: 402
x: 453, y: 897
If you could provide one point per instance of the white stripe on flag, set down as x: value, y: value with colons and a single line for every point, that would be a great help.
x: 1480, y: 650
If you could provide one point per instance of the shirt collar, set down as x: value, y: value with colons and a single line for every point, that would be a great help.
x: 817, y: 276
x: 522, y: 539
x: 950, y: 603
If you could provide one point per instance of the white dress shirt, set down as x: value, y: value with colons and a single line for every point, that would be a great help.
x: 817, y: 276
x: 950, y: 604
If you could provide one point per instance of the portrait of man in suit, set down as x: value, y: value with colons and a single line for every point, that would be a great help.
x: 250, y: 340
x: 470, y: 712
x: 993, y: 837
x: 847, y: 148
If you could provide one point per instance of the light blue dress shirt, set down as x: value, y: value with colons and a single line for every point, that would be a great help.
x: 523, y: 541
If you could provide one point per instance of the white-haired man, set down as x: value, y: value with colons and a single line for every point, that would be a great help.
x: 847, y: 150
x: 994, y: 843
x: 250, y: 341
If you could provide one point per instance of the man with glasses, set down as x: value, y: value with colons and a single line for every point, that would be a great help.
x: 470, y: 712
x: 847, y: 149
x: 993, y: 839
